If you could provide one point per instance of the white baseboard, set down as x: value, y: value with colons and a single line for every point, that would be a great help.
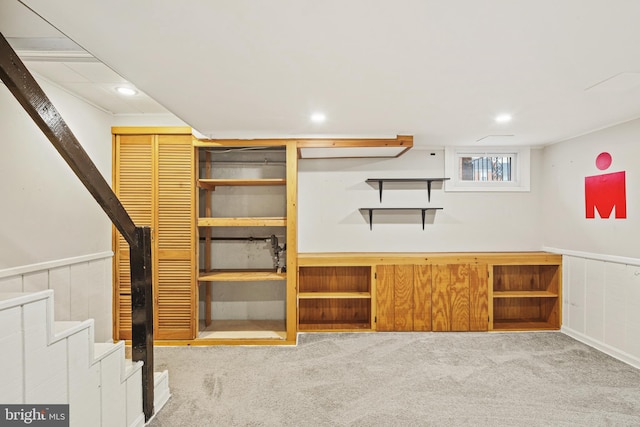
x: 605, y: 348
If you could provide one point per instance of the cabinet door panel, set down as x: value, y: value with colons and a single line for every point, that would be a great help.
x: 450, y: 297
x: 154, y: 180
x: 478, y: 298
x: 422, y: 298
x: 403, y: 298
x: 440, y: 306
x: 175, y: 243
x: 459, y: 296
x: 384, y: 298
x: 133, y: 184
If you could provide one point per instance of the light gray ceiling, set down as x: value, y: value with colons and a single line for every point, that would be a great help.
x: 438, y: 70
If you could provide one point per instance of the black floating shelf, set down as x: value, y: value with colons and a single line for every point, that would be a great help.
x: 423, y: 210
x: 380, y: 182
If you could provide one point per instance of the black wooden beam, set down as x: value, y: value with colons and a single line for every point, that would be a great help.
x: 142, y: 314
x: 26, y: 90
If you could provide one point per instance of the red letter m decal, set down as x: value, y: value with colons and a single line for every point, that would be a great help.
x: 604, y: 192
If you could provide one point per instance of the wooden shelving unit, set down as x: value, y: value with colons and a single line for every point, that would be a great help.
x: 526, y: 297
x: 231, y: 175
x: 334, y: 298
x: 507, y: 291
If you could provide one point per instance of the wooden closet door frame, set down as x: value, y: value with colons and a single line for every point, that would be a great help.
x: 154, y: 134
x: 163, y: 331
x: 119, y: 252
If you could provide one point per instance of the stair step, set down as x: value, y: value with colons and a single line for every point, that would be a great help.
x: 161, y: 390
x: 130, y: 368
x: 100, y: 378
x: 15, y: 299
x: 66, y: 328
x: 103, y: 349
x: 59, y: 327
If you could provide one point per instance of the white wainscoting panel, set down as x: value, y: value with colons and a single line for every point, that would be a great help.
x: 601, y: 303
x: 81, y: 285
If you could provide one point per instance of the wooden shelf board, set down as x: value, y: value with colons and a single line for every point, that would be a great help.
x: 243, y: 330
x: 522, y: 325
x: 334, y: 326
x: 407, y: 179
x: 524, y: 294
x: 243, y: 222
x: 211, y: 184
x: 240, y: 276
x: 377, y: 258
x: 243, y: 335
x: 333, y: 295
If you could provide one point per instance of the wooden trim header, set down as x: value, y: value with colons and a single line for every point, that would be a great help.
x: 158, y: 130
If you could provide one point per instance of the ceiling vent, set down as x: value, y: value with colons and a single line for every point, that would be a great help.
x: 493, y: 138
x: 618, y: 83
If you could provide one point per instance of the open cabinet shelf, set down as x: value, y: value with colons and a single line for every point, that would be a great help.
x: 243, y: 330
x: 211, y: 184
x: 526, y: 297
x: 334, y: 298
x: 333, y: 295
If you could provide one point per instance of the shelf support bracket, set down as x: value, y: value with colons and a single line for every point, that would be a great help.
x: 380, y: 189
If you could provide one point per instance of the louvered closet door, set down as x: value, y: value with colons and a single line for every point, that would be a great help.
x: 176, y: 296
x: 133, y: 184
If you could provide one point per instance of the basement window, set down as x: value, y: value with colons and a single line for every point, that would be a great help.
x: 499, y: 169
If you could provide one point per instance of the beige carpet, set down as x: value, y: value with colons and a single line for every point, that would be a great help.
x: 401, y: 379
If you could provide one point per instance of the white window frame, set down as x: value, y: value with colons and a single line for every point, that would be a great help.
x: 521, y: 169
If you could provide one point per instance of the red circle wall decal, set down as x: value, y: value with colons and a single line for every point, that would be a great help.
x: 603, y: 161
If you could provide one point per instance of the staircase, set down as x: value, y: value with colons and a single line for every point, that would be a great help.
x: 49, y: 362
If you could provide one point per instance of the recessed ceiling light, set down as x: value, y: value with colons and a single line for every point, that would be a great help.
x: 318, y: 117
x: 503, y: 118
x: 127, y: 91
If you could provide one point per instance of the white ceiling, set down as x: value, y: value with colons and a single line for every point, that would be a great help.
x: 51, y: 56
x: 438, y: 70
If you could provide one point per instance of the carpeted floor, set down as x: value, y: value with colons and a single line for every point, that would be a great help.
x: 401, y: 379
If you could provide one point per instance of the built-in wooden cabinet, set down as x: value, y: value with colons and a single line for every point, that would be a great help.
x: 526, y: 297
x: 460, y: 297
x: 334, y: 298
x: 198, y: 212
x: 153, y: 178
x: 403, y: 295
x: 246, y: 221
x: 431, y: 292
